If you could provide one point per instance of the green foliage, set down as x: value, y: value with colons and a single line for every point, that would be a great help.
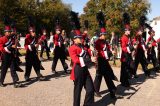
x: 113, y: 10
x: 44, y: 13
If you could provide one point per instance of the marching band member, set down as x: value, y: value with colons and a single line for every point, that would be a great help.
x: 104, y: 68
x: 7, y: 48
x: 31, y: 44
x: 44, y: 44
x: 126, y: 57
x: 59, y: 49
x: 151, y: 54
x: 80, y: 74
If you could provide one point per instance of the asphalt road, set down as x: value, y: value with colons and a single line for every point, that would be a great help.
x: 57, y: 90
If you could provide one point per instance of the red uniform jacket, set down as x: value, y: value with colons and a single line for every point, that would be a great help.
x: 141, y: 44
x: 158, y: 41
x: 43, y: 40
x: 43, y: 37
x: 154, y: 43
x: 102, y: 48
x: 30, y: 43
x: 5, y: 44
x: 58, y: 40
x: 76, y: 53
x: 124, y: 45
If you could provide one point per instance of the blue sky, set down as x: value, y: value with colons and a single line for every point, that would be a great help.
x: 77, y: 6
x: 155, y: 7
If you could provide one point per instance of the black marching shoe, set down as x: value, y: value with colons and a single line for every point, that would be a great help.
x: 125, y: 85
x: 17, y: 85
x: 66, y: 71
x: 135, y: 76
x: 113, y: 96
x: 27, y: 78
x: 157, y: 69
x: 2, y: 85
x: 113, y: 93
x: 97, y: 94
x: 40, y: 77
x: 147, y: 74
x: 54, y: 72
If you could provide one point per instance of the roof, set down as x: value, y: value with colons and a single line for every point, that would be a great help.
x: 156, y: 18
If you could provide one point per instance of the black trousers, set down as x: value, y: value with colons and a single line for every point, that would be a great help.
x: 124, y: 77
x: 159, y: 56
x: 47, y: 51
x: 140, y: 58
x: 32, y: 60
x: 83, y: 79
x: 59, y: 53
x: 104, y: 70
x: 8, y: 61
x: 153, y: 58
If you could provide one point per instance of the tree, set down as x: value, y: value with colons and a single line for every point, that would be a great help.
x: 113, y: 10
x: 44, y: 13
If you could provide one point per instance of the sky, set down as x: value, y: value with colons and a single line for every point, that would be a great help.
x: 155, y: 9
x: 77, y: 6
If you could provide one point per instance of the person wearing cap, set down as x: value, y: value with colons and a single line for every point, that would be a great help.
x: 31, y: 44
x: 66, y: 42
x: 126, y: 55
x: 15, y: 40
x: 151, y: 54
x: 44, y: 45
x: 59, y: 51
x: 80, y: 74
x: 126, y: 58
x: 104, y: 68
x: 140, y: 49
x: 7, y: 48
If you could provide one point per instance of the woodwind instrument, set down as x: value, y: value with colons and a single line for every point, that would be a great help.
x: 135, y: 44
x: 16, y: 44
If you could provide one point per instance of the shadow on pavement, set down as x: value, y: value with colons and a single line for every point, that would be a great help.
x: 105, y: 101
x: 32, y: 80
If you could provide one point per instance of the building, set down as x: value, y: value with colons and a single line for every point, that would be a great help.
x: 155, y: 24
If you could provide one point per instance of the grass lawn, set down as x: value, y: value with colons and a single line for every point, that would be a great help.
x: 118, y: 64
x: 23, y: 52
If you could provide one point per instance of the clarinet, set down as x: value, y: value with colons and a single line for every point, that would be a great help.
x: 135, y: 49
x: 16, y: 44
